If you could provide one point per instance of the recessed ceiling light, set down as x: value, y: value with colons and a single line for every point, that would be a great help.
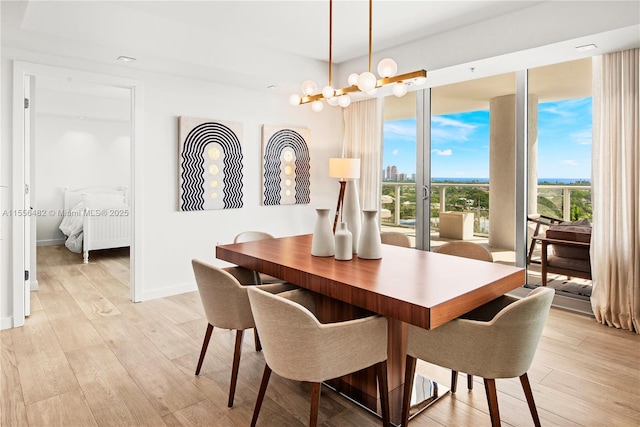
x: 126, y: 59
x: 272, y: 87
x: 586, y: 47
x: 81, y: 117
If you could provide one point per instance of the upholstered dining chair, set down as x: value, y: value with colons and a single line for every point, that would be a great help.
x: 250, y: 236
x: 395, y: 238
x: 497, y: 340
x: 226, y: 306
x: 466, y: 250
x: 298, y: 347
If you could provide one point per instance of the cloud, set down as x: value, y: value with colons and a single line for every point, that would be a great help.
x: 444, y: 129
x: 582, y: 137
x: 395, y: 152
x: 446, y: 152
x: 402, y: 131
x: 553, y: 109
x: 569, y: 162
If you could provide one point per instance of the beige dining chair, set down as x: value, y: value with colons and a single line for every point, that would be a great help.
x: 298, y: 347
x: 497, y: 340
x: 466, y: 250
x: 395, y: 238
x: 226, y: 306
x: 250, y: 236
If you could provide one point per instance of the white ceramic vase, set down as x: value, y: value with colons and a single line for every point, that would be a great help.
x: 351, y: 213
x: 322, y: 243
x: 344, y: 244
x: 370, y: 246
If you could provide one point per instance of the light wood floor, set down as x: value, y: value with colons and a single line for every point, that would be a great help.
x: 88, y: 356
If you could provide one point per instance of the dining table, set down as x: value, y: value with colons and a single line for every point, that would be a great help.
x: 406, y: 285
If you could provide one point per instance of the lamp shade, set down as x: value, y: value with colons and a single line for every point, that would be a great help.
x: 344, y: 168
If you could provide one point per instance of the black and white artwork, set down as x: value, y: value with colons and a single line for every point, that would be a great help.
x: 210, y: 164
x: 286, y: 167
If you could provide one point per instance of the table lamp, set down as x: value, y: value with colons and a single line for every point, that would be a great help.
x: 345, y: 170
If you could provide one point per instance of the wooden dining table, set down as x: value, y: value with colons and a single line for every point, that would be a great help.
x: 407, y: 286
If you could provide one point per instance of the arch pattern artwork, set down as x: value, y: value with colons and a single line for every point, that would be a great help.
x: 286, y: 167
x: 210, y: 165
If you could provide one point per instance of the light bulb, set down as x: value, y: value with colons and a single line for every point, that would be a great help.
x: 295, y: 99
x: 309, y: 87
x: 344, y: 101
x: 352, y: 79
x: 420, y: 81
x: 333, y: 101
x: 328, y: 92
x: 399, y: 89
x: 317, y: 106
x: 387, y: 68
x: 366, y: 81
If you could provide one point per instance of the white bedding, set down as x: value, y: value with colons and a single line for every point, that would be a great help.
x: 93, y: 205
x: 71, y: 226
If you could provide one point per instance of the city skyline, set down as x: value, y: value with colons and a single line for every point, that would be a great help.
x: 460, y: 142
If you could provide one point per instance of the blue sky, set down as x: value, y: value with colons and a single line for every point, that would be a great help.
x: 460, y: 142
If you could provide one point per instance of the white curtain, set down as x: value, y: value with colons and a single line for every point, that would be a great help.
x: 363, y: 139
x: 615, y: 245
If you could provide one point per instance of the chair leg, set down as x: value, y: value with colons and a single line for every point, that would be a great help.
x: 383, y: 386
x: 235, y: 367
x: 454, y: 381
x: 543, y: 260
x: 315, y: 404
x: 205, y: 344
x: 409, y: 372
x: 256, y: 339
x: 470, y: 382
x: 261, y: 393
x: 492, y: 400
x: 526, y: 386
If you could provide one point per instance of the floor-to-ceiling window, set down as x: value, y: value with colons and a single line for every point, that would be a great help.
x: 559, y: 161
x: 472, y: 167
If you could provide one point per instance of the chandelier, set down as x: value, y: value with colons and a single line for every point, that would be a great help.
x: 366, y: 82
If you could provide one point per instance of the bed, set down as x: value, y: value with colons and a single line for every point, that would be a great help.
x: 96, y: 218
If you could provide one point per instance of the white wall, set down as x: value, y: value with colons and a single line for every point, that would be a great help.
x: 75, y: 153
x: 172, y: 238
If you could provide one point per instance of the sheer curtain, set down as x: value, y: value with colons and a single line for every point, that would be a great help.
x: 363, y: 139
x: 615, y: 246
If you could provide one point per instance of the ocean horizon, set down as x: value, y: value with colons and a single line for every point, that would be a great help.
x: 564, y: 181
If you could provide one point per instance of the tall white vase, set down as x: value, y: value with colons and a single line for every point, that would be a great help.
x: 370, y: 244
x: 322, y: 243
x: 351, y: 213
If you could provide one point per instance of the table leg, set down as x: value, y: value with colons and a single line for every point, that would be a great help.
x: 361, y: 386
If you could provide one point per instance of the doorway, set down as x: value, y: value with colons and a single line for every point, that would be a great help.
x: 25, y: 175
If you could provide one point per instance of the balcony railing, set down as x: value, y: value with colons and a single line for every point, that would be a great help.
x: 553, y: 200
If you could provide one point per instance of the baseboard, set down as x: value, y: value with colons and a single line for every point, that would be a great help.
x: 6, y: 323
x: 50, y: 242
x: 33, y: 285
x: 169, y: 291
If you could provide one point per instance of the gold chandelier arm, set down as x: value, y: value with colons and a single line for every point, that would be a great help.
x: 331, y: 43
x: 370, y: 31
x: 381, y: 82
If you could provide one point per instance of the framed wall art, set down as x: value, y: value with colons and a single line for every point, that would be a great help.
x: 286, y: 165
x: 210, y: 164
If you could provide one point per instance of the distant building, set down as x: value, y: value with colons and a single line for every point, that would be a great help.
x: 402, y: 177
x: 392, y: 173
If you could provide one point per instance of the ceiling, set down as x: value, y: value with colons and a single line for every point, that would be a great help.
x: 298, y: 28
x: 255, y: 44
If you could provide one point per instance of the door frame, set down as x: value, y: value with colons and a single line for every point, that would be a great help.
x: 21, y: 72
